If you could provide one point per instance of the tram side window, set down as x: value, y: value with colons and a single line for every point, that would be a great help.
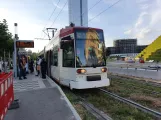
x: 51, y: 57
x: 55, y: 58
x: 68, y: 54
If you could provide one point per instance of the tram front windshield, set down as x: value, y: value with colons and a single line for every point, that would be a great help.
x: 90, y: 48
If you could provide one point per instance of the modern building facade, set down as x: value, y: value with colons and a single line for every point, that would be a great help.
x: 78, y: 12
x: 127, y: 47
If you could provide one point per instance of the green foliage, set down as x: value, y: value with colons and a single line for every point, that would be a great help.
x: 156, y: 56
x: 6, y: 41
x: 34, y: 56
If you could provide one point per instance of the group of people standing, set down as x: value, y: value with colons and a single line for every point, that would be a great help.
x: 41, y: 66
x: 24, y: 65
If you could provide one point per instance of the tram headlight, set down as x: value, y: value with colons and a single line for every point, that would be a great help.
x: 104, y: 69
x: 81, y: 71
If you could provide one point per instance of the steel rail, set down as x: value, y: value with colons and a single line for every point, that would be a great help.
x: 96, y: 112
x: 134, y: 104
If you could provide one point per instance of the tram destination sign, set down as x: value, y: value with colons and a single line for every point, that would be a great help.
x: 25, y: 44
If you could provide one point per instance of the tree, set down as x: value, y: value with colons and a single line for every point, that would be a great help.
x: 6, y: 41
x: 155, y: 55
x: 34, y: 55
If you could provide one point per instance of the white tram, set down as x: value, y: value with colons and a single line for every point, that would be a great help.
x: 76, y: 58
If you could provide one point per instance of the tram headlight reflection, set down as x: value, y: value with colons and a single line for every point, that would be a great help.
x: 104, y: 69
x: 81, y: 71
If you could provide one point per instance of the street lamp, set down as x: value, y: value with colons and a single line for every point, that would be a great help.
x: 15, y: 51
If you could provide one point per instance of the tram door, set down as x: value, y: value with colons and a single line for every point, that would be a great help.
x: 49, y: 63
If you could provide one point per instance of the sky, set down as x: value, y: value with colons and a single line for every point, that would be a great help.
x: 127, y: 19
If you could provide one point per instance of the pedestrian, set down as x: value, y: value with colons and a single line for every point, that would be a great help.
x: 21, y: 70
x: 43, y: 68
x: 38, y: 66
x: 31, y: 64
x: 24, y: 67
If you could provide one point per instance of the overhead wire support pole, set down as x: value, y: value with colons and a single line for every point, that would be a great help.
x: 81, y: 12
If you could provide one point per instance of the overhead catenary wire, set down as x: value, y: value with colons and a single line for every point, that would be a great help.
x: 103, y: 11
x: 53, y: 12
x: 88, y: 9
x: 50, y: 16
x: 59, y: 13
x: 56, y: 17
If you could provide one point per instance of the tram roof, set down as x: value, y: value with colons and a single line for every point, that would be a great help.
x: 69, y: 30
x: 66, y: 31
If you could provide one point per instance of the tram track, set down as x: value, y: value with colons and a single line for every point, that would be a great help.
x: 143, y: 93
x: 86, y: 102
x: 132, y: 103
x: 98, y: 114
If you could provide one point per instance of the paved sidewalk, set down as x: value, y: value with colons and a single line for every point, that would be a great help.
x: 41, y: 100
x: 31, y: 83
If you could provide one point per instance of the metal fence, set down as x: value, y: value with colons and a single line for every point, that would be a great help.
x: 137, y: 72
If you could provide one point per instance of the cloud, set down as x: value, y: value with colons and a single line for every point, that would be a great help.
x: 143, y: 33
x: 147, y: 26
x: 108, y: 42
x: 29, y: 28
x: 144, y: 6
x: 141, y: 1
x: 128, y: 32
x: 58, y: 6
x: 140, y: 20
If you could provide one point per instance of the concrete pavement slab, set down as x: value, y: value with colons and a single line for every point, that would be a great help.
x: 41, y: 99
x: 42, y: 104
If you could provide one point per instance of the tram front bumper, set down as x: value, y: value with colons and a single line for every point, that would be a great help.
x: 89, y: 84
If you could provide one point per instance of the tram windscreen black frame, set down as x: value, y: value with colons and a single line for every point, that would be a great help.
x: 68, y: 52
